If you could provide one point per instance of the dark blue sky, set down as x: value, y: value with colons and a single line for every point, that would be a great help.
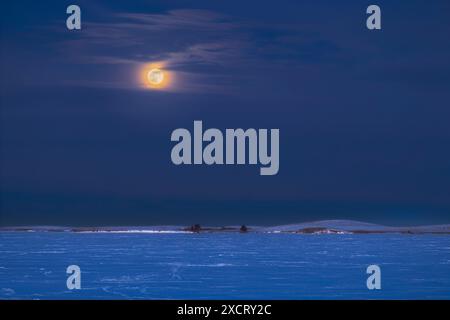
x: 364, y: 116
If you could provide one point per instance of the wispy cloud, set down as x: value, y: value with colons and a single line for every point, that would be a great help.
x: 186, y: 19
x: 180, y: 39
x: 201, y: 47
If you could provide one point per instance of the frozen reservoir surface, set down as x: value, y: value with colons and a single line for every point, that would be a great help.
x: 171, y: 265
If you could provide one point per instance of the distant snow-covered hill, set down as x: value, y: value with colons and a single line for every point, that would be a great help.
x: 315, y: 227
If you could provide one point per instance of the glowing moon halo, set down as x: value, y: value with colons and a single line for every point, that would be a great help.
x: 155, y: 76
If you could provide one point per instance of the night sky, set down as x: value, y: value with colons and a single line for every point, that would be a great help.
x: 364, y: 116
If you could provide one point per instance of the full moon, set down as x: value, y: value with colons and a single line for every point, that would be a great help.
x: 155, y: 76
